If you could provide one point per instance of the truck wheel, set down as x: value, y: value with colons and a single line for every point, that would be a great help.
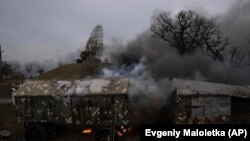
x: 35, y: 133
x: 104, y: 135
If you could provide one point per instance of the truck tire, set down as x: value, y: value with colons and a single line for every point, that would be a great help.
x: 35, y: 132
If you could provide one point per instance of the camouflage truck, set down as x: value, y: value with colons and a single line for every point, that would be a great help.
x: 101, y: 104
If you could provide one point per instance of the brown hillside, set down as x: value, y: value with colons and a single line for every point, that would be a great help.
x: 73, y: 71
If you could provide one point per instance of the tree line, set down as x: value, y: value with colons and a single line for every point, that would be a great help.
x: 18, y: 71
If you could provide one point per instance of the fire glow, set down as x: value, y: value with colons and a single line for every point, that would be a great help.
x: 87, y: 131
x: 123, y: 130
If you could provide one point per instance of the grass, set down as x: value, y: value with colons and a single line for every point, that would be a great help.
x: 73, y: 71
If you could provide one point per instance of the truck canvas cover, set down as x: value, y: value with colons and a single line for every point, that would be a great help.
x: 194, y: 87
x: 77, y: 87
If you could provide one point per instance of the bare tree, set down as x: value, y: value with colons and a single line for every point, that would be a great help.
x: 239, y: 56
x: 6, y: 70
x: 17, y: 72
x: 39, y: 69
x: 29, y: 68
x: 236, y: 55
x: 188, y: 31
x: 60, y: 63
x: 16, y: 66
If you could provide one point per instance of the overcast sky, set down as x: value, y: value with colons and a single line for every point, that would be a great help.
x: 44, y: 29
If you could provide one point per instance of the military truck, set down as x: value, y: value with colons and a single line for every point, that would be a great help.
x: 99, y: 104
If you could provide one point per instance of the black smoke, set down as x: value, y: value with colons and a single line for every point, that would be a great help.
x: 163, y: 62
x: 151, y: 64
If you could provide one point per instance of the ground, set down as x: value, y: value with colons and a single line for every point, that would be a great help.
x: 5, y: 90
x: 8, y: 119
x: 7, y: 113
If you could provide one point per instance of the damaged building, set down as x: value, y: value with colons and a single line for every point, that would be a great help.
x: 199, y: 102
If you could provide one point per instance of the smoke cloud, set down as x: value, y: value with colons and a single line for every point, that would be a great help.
x: 162, y: 61
x: 151, y: 64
